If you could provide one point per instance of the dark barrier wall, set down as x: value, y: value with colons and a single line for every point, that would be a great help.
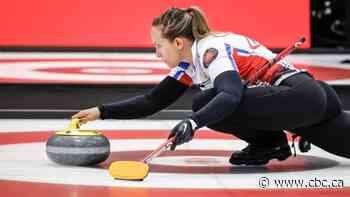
x: 115, y: 23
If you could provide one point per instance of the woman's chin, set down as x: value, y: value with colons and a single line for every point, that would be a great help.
x: 170, y: 65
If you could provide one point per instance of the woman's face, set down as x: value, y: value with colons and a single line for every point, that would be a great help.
x: 168, y: 51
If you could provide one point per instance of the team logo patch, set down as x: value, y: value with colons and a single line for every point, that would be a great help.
x: 209, y: 56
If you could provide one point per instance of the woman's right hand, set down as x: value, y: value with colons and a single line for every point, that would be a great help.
x: 86, y: 115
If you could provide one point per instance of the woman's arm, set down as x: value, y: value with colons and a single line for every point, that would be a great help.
x: 161, y: 96
x: 229, y: 89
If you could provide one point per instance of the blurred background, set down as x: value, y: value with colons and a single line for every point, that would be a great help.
x: 59, y: 56
x: 124, y: 25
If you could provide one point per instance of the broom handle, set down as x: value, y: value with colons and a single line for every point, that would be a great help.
x: 288, y: 50
x: 163, y: 147
x: 277, y: 58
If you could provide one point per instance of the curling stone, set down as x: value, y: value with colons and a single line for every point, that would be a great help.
x: 73, y: 146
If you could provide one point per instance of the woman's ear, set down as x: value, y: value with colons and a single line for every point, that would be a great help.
x: 179, y: 43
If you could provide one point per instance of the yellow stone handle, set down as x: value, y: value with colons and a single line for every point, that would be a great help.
x: 74, y: 124
x: 74, y: 130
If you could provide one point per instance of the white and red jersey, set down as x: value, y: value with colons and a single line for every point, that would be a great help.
x: 222, y: 52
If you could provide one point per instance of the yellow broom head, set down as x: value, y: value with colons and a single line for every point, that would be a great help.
x: 128, y: 170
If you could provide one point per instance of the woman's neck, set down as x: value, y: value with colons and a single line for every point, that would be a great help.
x: 187, y: 53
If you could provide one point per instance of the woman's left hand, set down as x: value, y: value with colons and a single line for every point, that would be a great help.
x: 183, y: 132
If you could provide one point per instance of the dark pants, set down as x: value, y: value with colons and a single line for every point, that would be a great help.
x: 333, y: 132
x: 300, y: 104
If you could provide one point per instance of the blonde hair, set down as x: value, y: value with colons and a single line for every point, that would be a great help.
x: 188, y: 22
